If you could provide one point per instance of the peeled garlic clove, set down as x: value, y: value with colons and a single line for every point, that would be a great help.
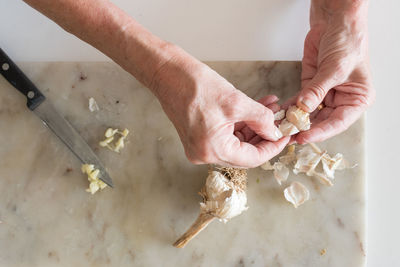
x: 296, y: 194
x: 281, y: 172
x: 299, y: 118
x: 267, y: 166
x: 93, y: 105
x: 125, y: 132
x: 280, y: 115
x: 105, y: 142
x: 102, y: 184
x: 110, y: 132
x: 87, y: 168
x: 93, y: 188
x: 287, y: 128
x: 94, y: 174
x: 119, y: 144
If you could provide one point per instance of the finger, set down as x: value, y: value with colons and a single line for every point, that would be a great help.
x: 240, y: 136
x: 243, y: 154
x: 267, y: 100
x: 338, y: 121
x: 315, y: 90
x: 255, y: 140
x: 274, y: 107
x: 260, y: 119
x: 239, y: 126
x: 248, y: 133
x: 290, y: 102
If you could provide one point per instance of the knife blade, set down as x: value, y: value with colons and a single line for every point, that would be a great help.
x: 43, y: 108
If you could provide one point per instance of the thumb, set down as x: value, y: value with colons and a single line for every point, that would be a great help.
x: 261, y: 120
x: 314, y: 92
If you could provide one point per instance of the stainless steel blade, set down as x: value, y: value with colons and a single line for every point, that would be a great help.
x: 64, y: 130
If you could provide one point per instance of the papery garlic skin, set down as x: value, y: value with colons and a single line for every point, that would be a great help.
x: 289, y: 157
x: 267, y: 166
x: 222, y: 198
x: 296, y: 194
x: 281, y: 172
x: 93, y: 105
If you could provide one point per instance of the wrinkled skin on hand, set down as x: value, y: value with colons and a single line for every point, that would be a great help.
x: 335, y: 72
x: 206, y: 110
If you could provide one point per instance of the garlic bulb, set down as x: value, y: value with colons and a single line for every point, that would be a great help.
x: 296, y: 194
x: 224, y: 197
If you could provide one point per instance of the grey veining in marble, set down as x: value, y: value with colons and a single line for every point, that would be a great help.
x: 48, y: 219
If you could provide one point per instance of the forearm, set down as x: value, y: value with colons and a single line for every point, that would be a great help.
x: 113, y: 32
x: 324, y: 11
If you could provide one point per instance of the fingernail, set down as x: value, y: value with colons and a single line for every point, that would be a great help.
x: 278, y: 133
x: 307, y: 103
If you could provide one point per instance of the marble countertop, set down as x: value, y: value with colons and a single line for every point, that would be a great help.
x: 47, y: 218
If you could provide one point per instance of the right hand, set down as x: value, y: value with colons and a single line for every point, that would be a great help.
x: 206, y: 110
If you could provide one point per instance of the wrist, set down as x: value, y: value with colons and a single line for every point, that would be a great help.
x: 349, y: 11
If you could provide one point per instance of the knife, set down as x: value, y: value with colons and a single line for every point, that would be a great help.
x: 43, y: 108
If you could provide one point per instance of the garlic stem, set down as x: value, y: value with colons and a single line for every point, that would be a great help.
x: 201, y: 222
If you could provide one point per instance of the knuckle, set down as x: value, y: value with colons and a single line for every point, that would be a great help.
x: 317, y: 91
x: 231, y: 105
x: 340, y: 70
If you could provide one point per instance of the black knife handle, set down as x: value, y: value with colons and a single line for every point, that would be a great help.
x: 17, y: 78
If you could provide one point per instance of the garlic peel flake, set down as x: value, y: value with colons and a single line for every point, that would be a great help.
x: 281, y: 172
x: 93, y: 105
x: 296, y: 194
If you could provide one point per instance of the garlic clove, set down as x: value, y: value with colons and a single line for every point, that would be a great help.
x: 105, y: 142
x: 280, y: 115
x: 87, y: 168
x: 296, y: 194
x: 299, y: 118
x: 110, y: 132
x: 287, y: 128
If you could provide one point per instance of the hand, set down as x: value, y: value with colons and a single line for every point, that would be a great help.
x: 206, y: 110
x: 335, y: 71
